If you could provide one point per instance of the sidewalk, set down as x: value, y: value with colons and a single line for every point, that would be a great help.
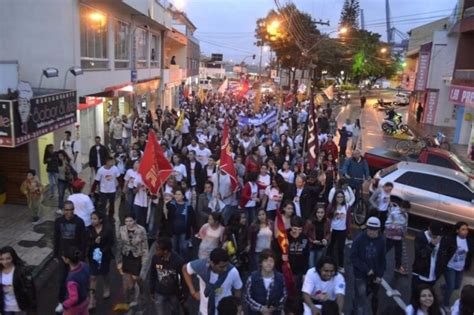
x: 422, y: 130
x: 34, y: 243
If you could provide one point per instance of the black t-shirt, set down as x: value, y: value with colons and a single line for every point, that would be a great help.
x: 165, y: 276
x: 298, y: 253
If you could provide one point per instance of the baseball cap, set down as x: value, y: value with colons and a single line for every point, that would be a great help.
x: 78, y: 184
x: 373, y: 223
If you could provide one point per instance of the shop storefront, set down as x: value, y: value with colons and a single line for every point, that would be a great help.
x: 463, y: 99
x: 26, y: 127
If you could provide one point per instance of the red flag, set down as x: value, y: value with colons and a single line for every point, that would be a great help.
x: 312, y: 136
x: 226, y: 161
x: 289, y: 100
x: 154, y: 167
x: 282, y: 239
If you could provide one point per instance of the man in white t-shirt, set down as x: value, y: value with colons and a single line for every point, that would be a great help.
x: 203, y: 154
x: 217, y: 279
x: 321, y: 284
x: 106, y: 178
x: 67, y: 144
x: 83, y: 206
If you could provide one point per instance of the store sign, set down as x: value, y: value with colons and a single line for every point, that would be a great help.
x: 430, y: 107
x: 5, y: 124
x: 423, y: 69
x: 30, y: 119
x: 462, y: 95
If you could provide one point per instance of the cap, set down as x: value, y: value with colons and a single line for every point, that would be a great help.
x: 373, y: 223
x: 78, y: 184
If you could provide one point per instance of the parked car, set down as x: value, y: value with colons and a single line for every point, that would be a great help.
x: 434, y: 192
x: 382, y: 158
x: 401, y: 99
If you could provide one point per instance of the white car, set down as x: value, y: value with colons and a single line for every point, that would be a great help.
x: 435, y: 192
x: 401, y: 99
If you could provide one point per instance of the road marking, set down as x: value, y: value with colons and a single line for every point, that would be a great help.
x: 394, y: 294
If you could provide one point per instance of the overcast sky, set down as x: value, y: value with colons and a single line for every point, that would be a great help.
x: 227, y: 26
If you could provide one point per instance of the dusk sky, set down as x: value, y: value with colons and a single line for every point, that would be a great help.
x: 227, y: 26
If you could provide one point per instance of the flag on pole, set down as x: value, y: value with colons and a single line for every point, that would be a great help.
x: 258, y: 100
x: 180, y: 122
x: 313, y: 141
x: 154, y: 167
x: 329, y: 92
x: 226, y: 161
x: 282, y: 239
x: 201, y: 95
x: 223, y: 86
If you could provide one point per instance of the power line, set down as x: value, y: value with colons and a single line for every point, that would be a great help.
x: 227, y: 47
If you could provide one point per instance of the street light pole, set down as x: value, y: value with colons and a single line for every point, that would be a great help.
x: 260, y: 63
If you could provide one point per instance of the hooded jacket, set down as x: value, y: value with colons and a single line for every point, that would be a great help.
x: 368, y: 254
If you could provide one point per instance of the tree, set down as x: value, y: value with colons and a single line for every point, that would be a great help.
x: 350, y: 15
x: 289, y: 33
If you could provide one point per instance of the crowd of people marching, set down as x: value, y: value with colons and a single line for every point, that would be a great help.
x: 274, y: 243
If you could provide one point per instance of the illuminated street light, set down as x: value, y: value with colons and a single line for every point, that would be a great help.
x: 383, y: 50
x: 343, y: 30
x: 272, y: 28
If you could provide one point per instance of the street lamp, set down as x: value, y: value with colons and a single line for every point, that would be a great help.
x: 383, y: 50
x: 343, y: 30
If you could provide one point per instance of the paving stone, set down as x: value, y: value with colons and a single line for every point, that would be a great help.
x: 31, y: 236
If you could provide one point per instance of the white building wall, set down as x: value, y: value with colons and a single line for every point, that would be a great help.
x: 443, y: 55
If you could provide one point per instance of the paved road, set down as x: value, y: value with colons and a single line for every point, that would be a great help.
x: 396, y: 288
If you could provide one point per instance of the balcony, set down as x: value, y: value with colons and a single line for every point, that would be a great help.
x: 464, y: 77
x: 174, y: 74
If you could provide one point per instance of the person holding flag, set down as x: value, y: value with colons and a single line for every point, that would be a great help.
x: 282, y: 239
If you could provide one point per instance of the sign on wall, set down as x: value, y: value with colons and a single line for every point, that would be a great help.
x: 430, y: 107
x: 462, y: 95
x: 423, y: 69
x: 30, y: 119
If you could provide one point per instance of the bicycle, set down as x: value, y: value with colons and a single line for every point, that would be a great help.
x: 360, y: 211
x: 414, y: 145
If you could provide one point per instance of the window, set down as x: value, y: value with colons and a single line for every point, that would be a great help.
x: 439, y: 161
x: 122, y: 44
x: 141, y: 41
x: 93, y: 39
x: 155, y: 51
x: 455, y: 190
x: 420, y: 181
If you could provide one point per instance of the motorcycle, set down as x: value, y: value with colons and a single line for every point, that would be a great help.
x: 391, y: 126
x: 382, y: 105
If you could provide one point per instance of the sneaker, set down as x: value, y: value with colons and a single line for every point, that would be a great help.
x: 59, y: 308
x: 341, y: 270
x: 122, y: 308
x: 106, y: 293
x: 59, y: 212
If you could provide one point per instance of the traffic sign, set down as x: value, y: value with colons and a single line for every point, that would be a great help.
x: 276, y: 79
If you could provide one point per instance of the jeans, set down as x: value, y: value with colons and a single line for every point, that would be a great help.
x: 53, y: 181
x: 398, y: 250
x: 315, y: 255
x: 453, y: 282
x: 227, y: 213
x: 140, y: 214
x: 130, y: 199
x: 180, y: 244
x: 110, y: 197
x: 250, y: 212
x: 166, y: 304
x: 337, y: 245
x: 62, y: 186
x: 361, y: 293
x: 63, y: 272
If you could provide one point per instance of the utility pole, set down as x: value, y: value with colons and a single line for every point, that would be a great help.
x: 260, y: 63
x: 362, y: 20
x: 387, y: 19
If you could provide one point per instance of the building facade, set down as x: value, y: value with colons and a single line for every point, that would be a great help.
x: 121, y: 48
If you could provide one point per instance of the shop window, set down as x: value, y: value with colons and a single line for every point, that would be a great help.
x: 155, y: 51
x: 122, y: 44
x: 93, y: 39
x: 141, y: 40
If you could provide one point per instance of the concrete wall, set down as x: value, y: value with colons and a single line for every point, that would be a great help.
x: 424, y: 34
x: 443, y: 56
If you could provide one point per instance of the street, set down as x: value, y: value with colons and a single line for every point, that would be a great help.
x: 395, y: 289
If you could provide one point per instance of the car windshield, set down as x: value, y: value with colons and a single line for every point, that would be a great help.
x: 384, y: 172
x: 463, y: 167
